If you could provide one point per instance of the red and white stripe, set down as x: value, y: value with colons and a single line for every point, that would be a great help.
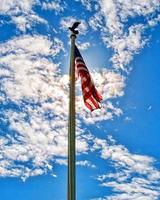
x: 91, y: 96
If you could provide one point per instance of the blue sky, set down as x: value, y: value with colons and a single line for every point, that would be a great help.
x: 117, y: 146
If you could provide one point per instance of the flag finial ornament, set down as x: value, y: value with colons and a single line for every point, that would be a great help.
x: 74, y: 26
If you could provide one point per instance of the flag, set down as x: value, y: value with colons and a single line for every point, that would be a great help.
x: 91, y: 96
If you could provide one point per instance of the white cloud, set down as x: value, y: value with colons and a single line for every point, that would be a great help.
x: 25, y: 57
x: 31, y: 45
x: 68, y: 21
x: 110, y: 84
x: 21, y: 13
x: 61, y: 161
x: 85, y: 163
x: 35, y: 97
x: 83, y: 46
x: 53, y: 5
x: 154, y: 22
x: 126, y: 46
x: 126, y: 40
x: 135, y: 176
x: 107, y: 112
x: 82, y: 163
x: 15, y: 6
x: 26, y: 22
x: 31, y: 83
x: 29, y: 80
x: 87, y: 4
x: 96, y: 22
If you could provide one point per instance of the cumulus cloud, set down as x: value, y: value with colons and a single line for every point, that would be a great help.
x: 24, y: 22
x: 83, y: 45
x: 85, y: 163
x: 21, y: 13
x: 87, y: 4
x: 34, y: 99
x: 111, y: 85
x: 153, y: 22
x: 126, y: 39
x: 135, y: 176
x: 53, y: 5
x: 13, y: 6
x: 68, y: 21
x: 26, y: 75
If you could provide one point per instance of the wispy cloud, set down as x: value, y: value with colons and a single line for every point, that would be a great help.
x: 85, y: 163
x: 34, y: 99
x: 21, y: 13
x: 53, y: 5
x: 68, y: 21
x: 83, y: 45
x: 87, y: 4
x: 135, y: 177
x: 112, y: 17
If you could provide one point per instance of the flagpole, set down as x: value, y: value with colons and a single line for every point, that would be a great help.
x: 72, y: 123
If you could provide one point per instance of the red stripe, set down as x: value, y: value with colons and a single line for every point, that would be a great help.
x: 97, y: 95
x: 87, y: 83
x: 88, y: 106
x: 93, y: 95
x: 95, y: 103
x: 87, y: 95
x: 81, y: 65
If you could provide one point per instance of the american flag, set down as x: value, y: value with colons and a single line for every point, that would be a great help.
x: 91, y: 96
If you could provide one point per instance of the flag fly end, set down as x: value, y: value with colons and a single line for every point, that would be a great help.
x: 91, y: 96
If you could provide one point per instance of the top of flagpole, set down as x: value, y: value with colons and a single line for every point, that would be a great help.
x: 73, y: 29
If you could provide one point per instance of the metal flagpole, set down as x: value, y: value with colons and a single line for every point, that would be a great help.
x: 72, y: 124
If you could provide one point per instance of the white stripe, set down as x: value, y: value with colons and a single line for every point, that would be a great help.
x: 82, y: 69
x: 84, y: 79
x: 78, y: 58
x: 86, y: 89
x: 90, y: 103
x: 80, y: 63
